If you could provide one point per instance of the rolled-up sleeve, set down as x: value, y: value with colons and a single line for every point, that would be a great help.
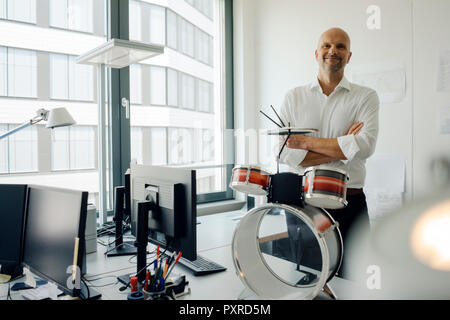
x: 362, y: 145
x: 291, y: 157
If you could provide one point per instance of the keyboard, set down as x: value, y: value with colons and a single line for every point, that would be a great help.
x: 201, y: 266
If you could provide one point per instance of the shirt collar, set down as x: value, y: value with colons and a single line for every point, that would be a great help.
x: 343, y: 84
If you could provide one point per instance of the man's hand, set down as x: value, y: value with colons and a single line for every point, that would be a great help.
x: 301, y: 141
x: 355, y: 128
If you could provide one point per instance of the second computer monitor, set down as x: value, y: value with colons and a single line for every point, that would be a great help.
x: 173, y: 222
x: 55, y: 217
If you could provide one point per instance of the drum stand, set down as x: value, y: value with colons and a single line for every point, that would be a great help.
x: 328, y: 291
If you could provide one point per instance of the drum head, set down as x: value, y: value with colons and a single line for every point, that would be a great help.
x: 280, y: 253
x: 250, y: 188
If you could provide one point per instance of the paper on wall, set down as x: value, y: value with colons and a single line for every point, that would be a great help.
x: 443, y: 117
x: 381, y: 203
x: 387, y: 79
x: 386, y: 172
x: 385, y: 185
x: 443, y: 81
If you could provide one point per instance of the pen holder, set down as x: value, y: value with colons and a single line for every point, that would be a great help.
x: 157, y: 295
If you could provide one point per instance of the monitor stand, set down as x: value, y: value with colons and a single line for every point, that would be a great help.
x: 84, y: 294
x: 119, y: 247
x: 124, y: 249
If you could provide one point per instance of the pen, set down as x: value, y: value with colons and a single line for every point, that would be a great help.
x: 172, y: 266
x: 165, y: 268
x: 174, y: 254
x: 147, y: 278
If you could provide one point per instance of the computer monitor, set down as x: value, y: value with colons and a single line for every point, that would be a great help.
x: 173, y: 222
x: 54, y: 219
x: 12, y: 216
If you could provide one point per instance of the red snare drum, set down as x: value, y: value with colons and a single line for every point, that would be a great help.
x: 325, y: 187
x: 250, y: 179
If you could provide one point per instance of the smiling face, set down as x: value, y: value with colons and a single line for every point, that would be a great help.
x: 333, y: 51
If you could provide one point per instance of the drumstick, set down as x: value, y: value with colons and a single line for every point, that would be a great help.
x: 278, y: 116
x: 271, y: 119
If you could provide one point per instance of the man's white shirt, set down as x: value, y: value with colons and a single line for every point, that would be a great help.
x: 333, y: 115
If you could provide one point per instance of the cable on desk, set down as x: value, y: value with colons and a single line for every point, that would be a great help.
x: 8, y: 297
x: 105, y: 285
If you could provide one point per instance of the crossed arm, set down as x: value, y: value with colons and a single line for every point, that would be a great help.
x: 321, y: 150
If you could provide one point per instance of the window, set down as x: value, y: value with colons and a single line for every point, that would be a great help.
x: 72, y: 14
x: 187, y: 91
x: 157, y: 25
x: 73, y: 148
x: 136, y: 84
x: 158, y: 145
x: 186, y: 37
x: 40, y: 72
x: 148, y: 23
x: 172, y: 87
x: 21, y: 73
x: 136, y: 144
x: 178, y: 117
x: 18, y: 151
x: 70, y: 81
x: 18, y: 10
x: 208, y: 152
x: 204, y: 6
x: 157, y: 85
x: 3, y: 72
x: 205, y: 93
x: 172, y: 39
x: 135, y: 32
x: 4, y: 159
x: 181, y: 150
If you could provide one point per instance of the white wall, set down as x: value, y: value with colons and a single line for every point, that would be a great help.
x: 274, y: 52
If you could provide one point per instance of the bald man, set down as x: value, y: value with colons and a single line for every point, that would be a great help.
x: 346, y: 115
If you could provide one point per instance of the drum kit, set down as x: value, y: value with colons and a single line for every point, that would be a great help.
x: 304, y: 198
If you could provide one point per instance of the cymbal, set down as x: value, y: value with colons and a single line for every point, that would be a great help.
x: 290, y: 130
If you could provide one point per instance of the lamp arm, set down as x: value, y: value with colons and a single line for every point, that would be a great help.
x: 22, y: 126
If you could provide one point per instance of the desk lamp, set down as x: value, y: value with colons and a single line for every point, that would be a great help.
x: 55, y: 118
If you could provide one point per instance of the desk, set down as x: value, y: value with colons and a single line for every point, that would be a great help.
x: 214, y: 237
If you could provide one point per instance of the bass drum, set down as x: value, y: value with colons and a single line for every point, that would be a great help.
x: 286, y: 252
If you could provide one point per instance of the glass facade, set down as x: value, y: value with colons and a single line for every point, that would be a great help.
x: 176, y: 105
x: 38, y: 70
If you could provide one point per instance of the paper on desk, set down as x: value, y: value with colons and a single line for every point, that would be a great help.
x: 46, y: 291
x: 29, y: 278
x: 443, y: 118
x: 443, y: 81
x: 4, y: 278
x: 386, y: 78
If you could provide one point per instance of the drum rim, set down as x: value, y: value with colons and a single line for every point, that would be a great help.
x: 309, y: 169
x: 319, y: 238
x: 242, y: 166
x: 233, y: 185
x: 339, y: 199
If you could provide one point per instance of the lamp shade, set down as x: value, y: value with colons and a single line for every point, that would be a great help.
x: 59, y: 117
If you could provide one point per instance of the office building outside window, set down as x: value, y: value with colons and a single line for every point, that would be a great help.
x: 39, y: 42
x: 181, y: 121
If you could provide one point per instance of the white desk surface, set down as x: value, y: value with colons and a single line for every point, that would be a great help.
x: 214, y: 237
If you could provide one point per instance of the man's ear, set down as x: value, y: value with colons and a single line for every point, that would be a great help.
x: 350, y: 55
x: 317, y: 55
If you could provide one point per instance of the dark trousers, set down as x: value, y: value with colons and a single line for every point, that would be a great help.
x: 353, y: 221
